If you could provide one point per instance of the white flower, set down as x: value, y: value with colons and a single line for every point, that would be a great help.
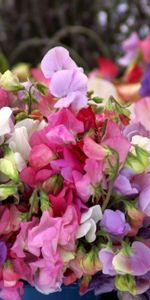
x: 102, y: 88
x: 5, y: 122
x: 19, y: 141
x: 88, y: 223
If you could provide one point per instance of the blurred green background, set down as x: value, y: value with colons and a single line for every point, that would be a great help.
x: 88, y: 28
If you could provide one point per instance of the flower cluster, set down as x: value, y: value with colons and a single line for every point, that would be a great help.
x: 74, y: 184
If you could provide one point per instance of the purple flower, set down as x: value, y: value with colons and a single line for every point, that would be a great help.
x: 144, y: 200
x: 136, y: 262
x: 3, y: 252
x: 130, y: 46
x: 106, y: 256
x: 114, y: 222
x: 135, y: 129
x: 145, y: 84
x: 70, y: 86
x: 55, y: 60
x: 102, y: 284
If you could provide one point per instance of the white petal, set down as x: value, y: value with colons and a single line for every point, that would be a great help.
x: 83, y: 229
x: 20, y: 162
x: 5, y: 124
x: 91, y: 234
x: 19, y: 142
x: 93, y: 212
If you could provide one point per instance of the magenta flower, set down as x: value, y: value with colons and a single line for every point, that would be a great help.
x: 4, y: 98
x: 55, y: 60
x: 114, y: 222
x: 86, y: 184
x: 135, y: 263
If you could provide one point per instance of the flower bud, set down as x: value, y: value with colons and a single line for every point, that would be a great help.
x: 10, y: 82
x: 53, y: 185
x: 7, y: 190
x: 90, y: 262
x: 126, y: 283
x: 21, y: 70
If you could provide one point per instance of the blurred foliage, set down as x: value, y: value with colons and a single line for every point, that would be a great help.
x: 88, y: 28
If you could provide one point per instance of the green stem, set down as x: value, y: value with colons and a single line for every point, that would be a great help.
x: 107, y: 199
x: 30, y: 100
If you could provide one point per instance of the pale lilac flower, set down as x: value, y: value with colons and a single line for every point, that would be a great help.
x: 57, y: 59
x: 114, y: 222
x: 70, y: 86
x: 135, y: 263
x: 106, y: 256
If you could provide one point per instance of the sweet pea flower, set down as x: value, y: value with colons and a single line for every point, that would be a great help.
x: 135, y: 263
x: 102, y: 283
x: 88, y: 223
x: 144, y: 201
x: 144, y: 46
x: 21, y: 243
x: 6, y: 122
x: 19, y: 140
x: 12, y: 293
x: 3, y: 252
x: 55, y: 60
x: 114, y: 222
x: 4, y: 98
x: 114, y: 139
x: 10, y: 219
x: 130, y: 46
x: 70, y: 86
x: 145, y: 84
x: 88, y: 184
x: 142, y: 112
x: 40, y: 156
x: 47, y: 276
x: 106, y: 256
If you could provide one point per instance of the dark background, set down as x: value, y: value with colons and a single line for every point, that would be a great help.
x: 88, y: 28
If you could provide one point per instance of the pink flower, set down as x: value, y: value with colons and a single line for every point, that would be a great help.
x: 114, y: 139
x: 70, y: 86
x: 66, y: 165
x: 48, y: 275
x: 21, y: 242
x: 69, y: 228
x: 12, y: 293
x: 62, y: 121
x: 60, y: 135
x: 44, y: 236
x: 144, y: 46
x: 93, y: 150
x: 86, y: 184
x: 55, y: 60
x: 142, y: 112
x: 10, y: 219
x: 40, y: 156
x: 4, y: 98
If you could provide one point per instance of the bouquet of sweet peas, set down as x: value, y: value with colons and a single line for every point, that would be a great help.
x: 74, y: 185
